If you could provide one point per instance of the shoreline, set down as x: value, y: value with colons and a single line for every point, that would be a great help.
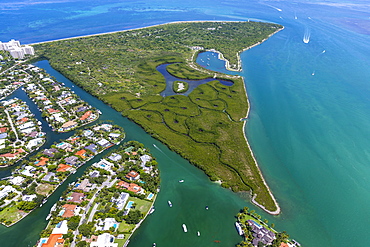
x: 227, y: 66
x: 132, y: 29
x: 239, y: 65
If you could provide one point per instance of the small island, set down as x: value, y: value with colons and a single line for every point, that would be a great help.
x: 108, y: 203
x: 180, y: 86
x: 257, y: 232
x: 204, y: 127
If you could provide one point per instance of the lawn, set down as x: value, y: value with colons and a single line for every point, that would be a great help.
x: 11, y: 214
x: 45, y: 189
x: 124, y: 227
x: 141, y: 205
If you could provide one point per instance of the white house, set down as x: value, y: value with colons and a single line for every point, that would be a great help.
x: 6, y: 190
x: 17, y: 180
x: 104, y: 240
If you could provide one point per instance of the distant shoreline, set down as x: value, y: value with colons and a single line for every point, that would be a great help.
x: 131, y: 29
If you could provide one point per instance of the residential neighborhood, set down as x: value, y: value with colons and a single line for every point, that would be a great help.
x: 107, y: 204
x: 36, y: 178
x: 20, y: 132
x: 60, y: 106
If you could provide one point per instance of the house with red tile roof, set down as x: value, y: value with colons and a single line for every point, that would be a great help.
x: 54, y: 240
x: 69, y: 125
x: 85, y: 115
x: 51, y: 110
x: 69, y: 210
x: 3, y: 130
x: 41, y: 162
x: 123, y: 184
x: 81, y: 153
x: 64, y: 168
x: 284, y: 245
x: 132, y: 175
x: 76, y: 197
x: 135, y: 188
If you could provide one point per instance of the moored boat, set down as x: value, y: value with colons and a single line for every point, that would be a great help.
x: 239, y: 228
x: 151, y: 210
x: 170, y: 204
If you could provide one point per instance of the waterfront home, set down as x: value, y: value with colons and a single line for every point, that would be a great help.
x: 64, y: 168
x: 104, y: 143
x: 54, y: 240
x: 81, y: 153
x: 71, y: 160
x: 92, y: 148
x: 28, y: 198
x: 34, y: 142
x: 86, y: 115
x: 68, y: 210
x: 6, y: 190
x: 132, y: 175
x: 261, y: 234
x: 61, y: 228
x: 76, y: 197
x: 121, y: 200
x: 68, y: 125
x: 49, y: 176
x: 104, y: 240
x: 85, y: 185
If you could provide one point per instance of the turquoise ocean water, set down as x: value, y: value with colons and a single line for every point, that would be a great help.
x: 308, y: 125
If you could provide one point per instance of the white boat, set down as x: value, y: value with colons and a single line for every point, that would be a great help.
x: 239, y: 228
x: 181, y: 181
x: 48, y: 217
x: 151, y: 210
x: 198, y: 233
x: 206, y: 207
x: 154, y: 244
x: 170, y: 204
x: 184, y: 228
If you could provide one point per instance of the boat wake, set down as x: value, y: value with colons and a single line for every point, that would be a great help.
x: 306, y: 36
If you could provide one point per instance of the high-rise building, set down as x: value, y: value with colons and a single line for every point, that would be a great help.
x: 15, y: 49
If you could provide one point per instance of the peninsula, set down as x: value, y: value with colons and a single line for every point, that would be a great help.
x: 204, y: 125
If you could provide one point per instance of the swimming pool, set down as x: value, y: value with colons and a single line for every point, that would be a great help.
x: 129, y: 205
x: 150, y: 196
